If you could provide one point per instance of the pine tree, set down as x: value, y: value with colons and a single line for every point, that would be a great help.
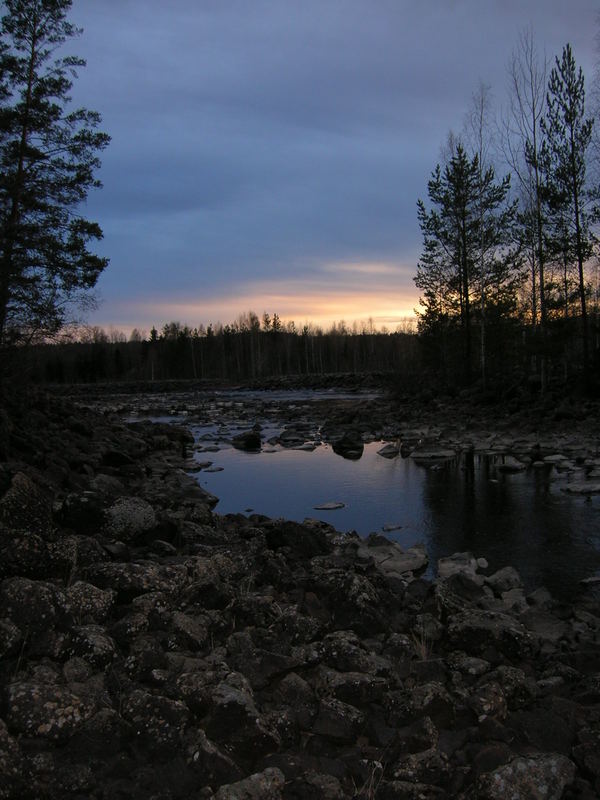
x: 445, y: 271
x: 467, y: 265
x: 48, y: 160
x: 563, y: 158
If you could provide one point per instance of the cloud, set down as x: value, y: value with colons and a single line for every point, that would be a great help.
x: 255, y: 144
x: 322, y: 302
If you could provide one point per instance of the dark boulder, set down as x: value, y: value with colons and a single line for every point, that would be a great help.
x: 248, y: 440
x: 350, y: 445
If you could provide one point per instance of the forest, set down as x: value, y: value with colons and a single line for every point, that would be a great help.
x: 509, y: 266
x: 247, y: 349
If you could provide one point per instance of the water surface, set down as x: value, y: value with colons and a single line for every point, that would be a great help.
x: 522, y: 519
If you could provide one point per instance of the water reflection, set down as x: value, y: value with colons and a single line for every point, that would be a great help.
x: 466, y: 503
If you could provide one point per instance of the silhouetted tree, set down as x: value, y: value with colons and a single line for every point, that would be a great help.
x: 563, y: 159
x: 465, y: 238
x: 48, y: 158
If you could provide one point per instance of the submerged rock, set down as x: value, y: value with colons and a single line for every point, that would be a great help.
x: 432, y: 454
x: 349, y: 446
x: 389, y: 451
x: 248, y: 440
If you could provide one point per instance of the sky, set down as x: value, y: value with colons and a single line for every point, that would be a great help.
x: 267, y: 155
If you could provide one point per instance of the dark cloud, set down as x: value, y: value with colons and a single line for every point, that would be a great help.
x: 254, y: 141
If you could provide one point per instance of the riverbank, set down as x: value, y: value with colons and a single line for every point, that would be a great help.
x: 150, y: 648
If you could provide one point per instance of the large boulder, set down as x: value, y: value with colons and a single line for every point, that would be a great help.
x: 46, y: 711
x: 26, y: 508
x: 158, y: 722
x: 490, y: 634
x: 540, y: 777
x: 350, y: 445
x: 267, y: 785
x: 131, y: 580
x: 33, y: 606
x: 247, y: 440
x: 129, y: 517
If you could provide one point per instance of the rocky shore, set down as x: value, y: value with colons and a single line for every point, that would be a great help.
x: 152, y: 649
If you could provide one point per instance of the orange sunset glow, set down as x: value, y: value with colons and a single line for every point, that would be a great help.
x: 355, y: 292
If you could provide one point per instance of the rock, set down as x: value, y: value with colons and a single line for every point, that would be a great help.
x: 131, y: 580
x: 331, y: 506
x: 409, y: 790
x: 259, y: 665
x: 582, y: 487
x: 10, y: 638
x: 93, y: 644
x: 129, y: 517
x: 389, y: 451
x: 248, y: 440
x: 344, y: 651
x: 46, y: 711
x: 354, y: 688
x: 390, y: 558
x: 458, y: 562
x: 233, y: 719
x: 25, y: 508
x: 510, y: 464
x: 192, y: 633
x: 434, y: 701
x: 490, y: 634
x: 158, y: 722
x: 488, y: 701
x: 117, y: 458
x: 296, y: 693
x: 303, y: 540
x: 231, y: 709
x: 542, y: 777
x: 33, y: 606
x: 88, y: 603
x: 429, y: 767
x: 13, y: 776
x: 432, y: 454
x: 338, y: 720
x: 587, y: 753
x: 350, y: 445
x: 26, y: 555
x: 317, y: 785
x: 356, y: 602
x: 518, y: 689
x: 391, y: 526
x: 545, y: 626
x: 503, y: 580
x: 209, y: 761
x: 267, y: 785
x: 84, y: 512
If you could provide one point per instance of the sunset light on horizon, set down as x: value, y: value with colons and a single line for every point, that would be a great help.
x: 367, y: 294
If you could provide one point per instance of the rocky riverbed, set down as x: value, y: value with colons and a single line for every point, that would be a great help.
x: 152, y: 649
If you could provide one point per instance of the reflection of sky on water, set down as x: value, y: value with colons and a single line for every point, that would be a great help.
x: 521, y: 519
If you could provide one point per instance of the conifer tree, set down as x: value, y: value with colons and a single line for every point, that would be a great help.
x: 466, y: 262
x: 48, y: 160
x: 563, y: 158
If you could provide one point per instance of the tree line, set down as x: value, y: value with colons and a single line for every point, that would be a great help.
x: 248, y: 349
x: 509, y: 265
